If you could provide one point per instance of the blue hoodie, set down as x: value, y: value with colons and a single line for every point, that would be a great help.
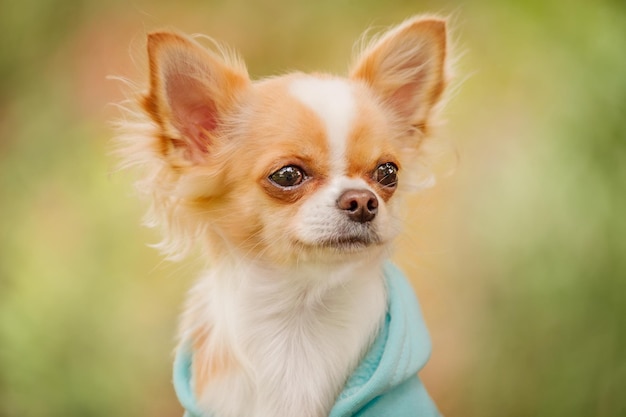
x: 385, y: 384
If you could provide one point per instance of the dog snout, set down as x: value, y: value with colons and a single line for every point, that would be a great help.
x: 359, y: 205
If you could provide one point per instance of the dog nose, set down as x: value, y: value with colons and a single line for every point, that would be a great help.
x: 360, y: 205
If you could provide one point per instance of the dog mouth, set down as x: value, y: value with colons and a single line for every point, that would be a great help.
x: 343, y: 244
x: 342, y: 238
x: 350, y: 240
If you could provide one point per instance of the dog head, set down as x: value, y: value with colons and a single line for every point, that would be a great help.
x: 292, y: 168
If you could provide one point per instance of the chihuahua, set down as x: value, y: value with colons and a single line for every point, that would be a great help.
x: 290, y: 186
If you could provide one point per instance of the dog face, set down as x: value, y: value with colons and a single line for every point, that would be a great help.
x: 346, y: 163
x: 293, y: 168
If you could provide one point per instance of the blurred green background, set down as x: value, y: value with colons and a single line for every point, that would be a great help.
x: 519, y: 257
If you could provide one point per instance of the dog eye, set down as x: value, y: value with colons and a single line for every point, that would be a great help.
x: 288, y: 176
x: 387, y: 174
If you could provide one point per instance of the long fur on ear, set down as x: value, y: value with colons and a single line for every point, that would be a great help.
x: 405, y: 67
x: 171, y: 131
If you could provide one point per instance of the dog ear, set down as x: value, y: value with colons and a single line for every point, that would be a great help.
x: 405, y: 68
x: 191, y: 90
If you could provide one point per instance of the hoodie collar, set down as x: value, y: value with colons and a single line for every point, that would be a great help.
x: 400, y: 350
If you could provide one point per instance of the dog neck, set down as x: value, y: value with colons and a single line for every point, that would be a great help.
x: 269, y: 341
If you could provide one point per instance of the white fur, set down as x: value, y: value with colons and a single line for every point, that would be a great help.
x: 333, y: 102
x: 297, y: 334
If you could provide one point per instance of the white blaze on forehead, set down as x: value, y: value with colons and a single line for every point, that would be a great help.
x: 333, y: 102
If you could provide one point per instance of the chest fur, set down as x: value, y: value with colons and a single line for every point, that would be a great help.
x: 264, y: 350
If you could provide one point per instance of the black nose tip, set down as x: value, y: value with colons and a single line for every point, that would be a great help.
x: 359, y: 205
